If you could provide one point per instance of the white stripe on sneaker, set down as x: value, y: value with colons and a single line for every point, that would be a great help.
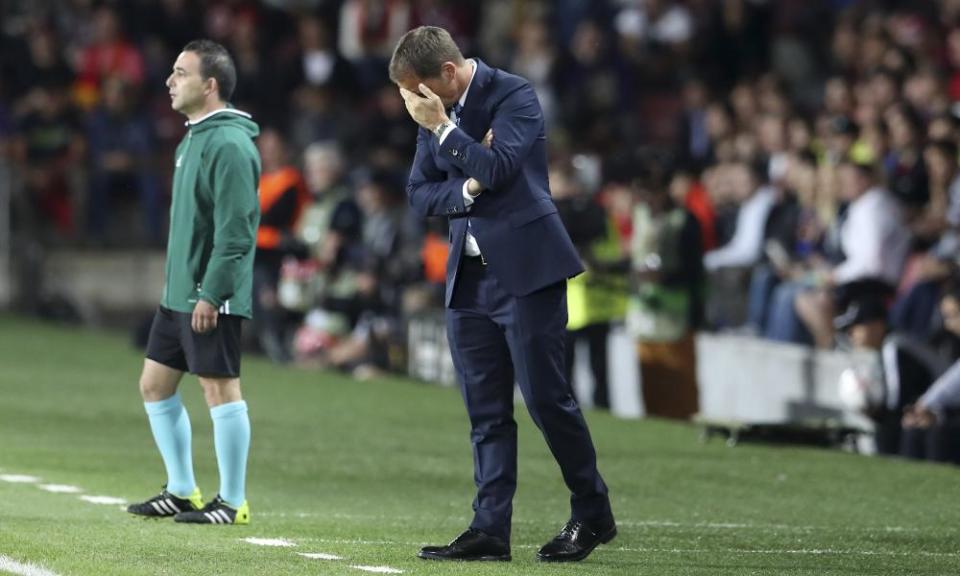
x: 213, y: 519
x: 172, y: 504
x: 224, y: 515
x: 157, y: 507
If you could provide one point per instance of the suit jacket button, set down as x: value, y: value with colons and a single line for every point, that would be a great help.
x: 455, y: 152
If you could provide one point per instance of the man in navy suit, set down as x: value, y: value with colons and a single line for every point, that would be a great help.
x: 484, y: 166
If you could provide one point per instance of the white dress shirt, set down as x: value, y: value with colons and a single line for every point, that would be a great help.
x: 746, y: 246
x: 874, y: 239
x: 470, y: 248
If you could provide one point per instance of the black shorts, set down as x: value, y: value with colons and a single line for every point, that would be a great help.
x: 845, y: 294
x: 173, y: 343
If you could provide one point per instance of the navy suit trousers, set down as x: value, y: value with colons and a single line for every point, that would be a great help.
x: 496, y: 340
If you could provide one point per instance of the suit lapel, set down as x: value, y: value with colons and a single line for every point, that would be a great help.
x: 473, y: 119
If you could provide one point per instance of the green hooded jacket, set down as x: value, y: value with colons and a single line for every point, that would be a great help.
x: 214, y: 215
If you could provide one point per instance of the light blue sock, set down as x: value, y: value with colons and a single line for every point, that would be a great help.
x: 231, y: 437
x: 170, y: 424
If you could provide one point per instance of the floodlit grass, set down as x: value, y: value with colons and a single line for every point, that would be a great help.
x: 370, y: 471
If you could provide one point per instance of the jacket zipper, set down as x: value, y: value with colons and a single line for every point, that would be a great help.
x: 178, y: 187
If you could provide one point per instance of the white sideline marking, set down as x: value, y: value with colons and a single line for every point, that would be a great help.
x: 61, y: 488
x: 103, y: 499
x: 276, y: 542
x: 11, y: 566
x: 365, y: 542
x: 19, y: 479
x: 319, y: 556
x: 379, y: 569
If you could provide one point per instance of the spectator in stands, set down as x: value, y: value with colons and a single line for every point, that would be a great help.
x: 381, y: 274
x: 729, y: 265
x: 44, y: 65
x: 368, y: 30
x: 924, y: 91
x: 932, y: 424
x: 332, y: 220
x: 283, y: 197
x: 597, y: 297
x: 317, y: 62
x: 943, y: 127
x: 793, y: 269
x: 589, y: 90
x: 388, y: 120
x: 666, y: 304
x: 656, y: 24
x: 781, y: 241
x: 695, y: 130
x: 904, y: 164
x: 913, y: 312
x: 687, y: 191
x: 536, y: 60
x: 330, y: 230
x: 379, y: 195
x: 719, y: 127
x: 48, y: 147
x: 458, y: 18
x: 837, y: 97
x: 255, y: 76
x: 120, y: 144
x: 799, y: 136
x: 748, y: 188
x: 174, y: 21
x: 110, y: 54
x: 314, y: 116
x: 895, y: 376
x: 875, y: 242
x: 942, y: 210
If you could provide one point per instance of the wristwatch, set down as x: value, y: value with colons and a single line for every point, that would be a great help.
x: 438, y: 131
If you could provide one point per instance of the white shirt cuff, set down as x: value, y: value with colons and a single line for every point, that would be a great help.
x: 447, y: 130
x: 467, y: 198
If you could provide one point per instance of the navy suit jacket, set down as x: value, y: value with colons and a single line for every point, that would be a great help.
x: 514, y: 219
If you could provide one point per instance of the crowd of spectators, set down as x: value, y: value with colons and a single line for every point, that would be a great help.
x: 811, y: 147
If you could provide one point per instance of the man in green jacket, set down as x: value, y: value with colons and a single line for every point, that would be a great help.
x: 207, y: 292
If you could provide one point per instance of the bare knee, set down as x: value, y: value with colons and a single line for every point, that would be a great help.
x: 812, y: 307
x: 219, y: 391
x: 158, y: 382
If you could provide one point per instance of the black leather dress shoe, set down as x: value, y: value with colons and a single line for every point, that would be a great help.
x: 471, y: 545
x: 576, y: 541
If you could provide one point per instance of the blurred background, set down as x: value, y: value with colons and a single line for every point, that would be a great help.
x: 766, y: 193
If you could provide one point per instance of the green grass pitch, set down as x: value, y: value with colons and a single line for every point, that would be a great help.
x: 370, y: 471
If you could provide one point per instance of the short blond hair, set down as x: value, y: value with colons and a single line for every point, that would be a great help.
x: 422, y: 51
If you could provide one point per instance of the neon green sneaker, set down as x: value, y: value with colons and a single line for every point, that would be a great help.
x: 165, y: 504
x: 216, y: 512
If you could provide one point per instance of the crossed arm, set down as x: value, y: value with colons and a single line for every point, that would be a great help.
x: 517, y: 124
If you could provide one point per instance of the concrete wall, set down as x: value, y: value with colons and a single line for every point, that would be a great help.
x: 752, y: 380
x: 108, y: 282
